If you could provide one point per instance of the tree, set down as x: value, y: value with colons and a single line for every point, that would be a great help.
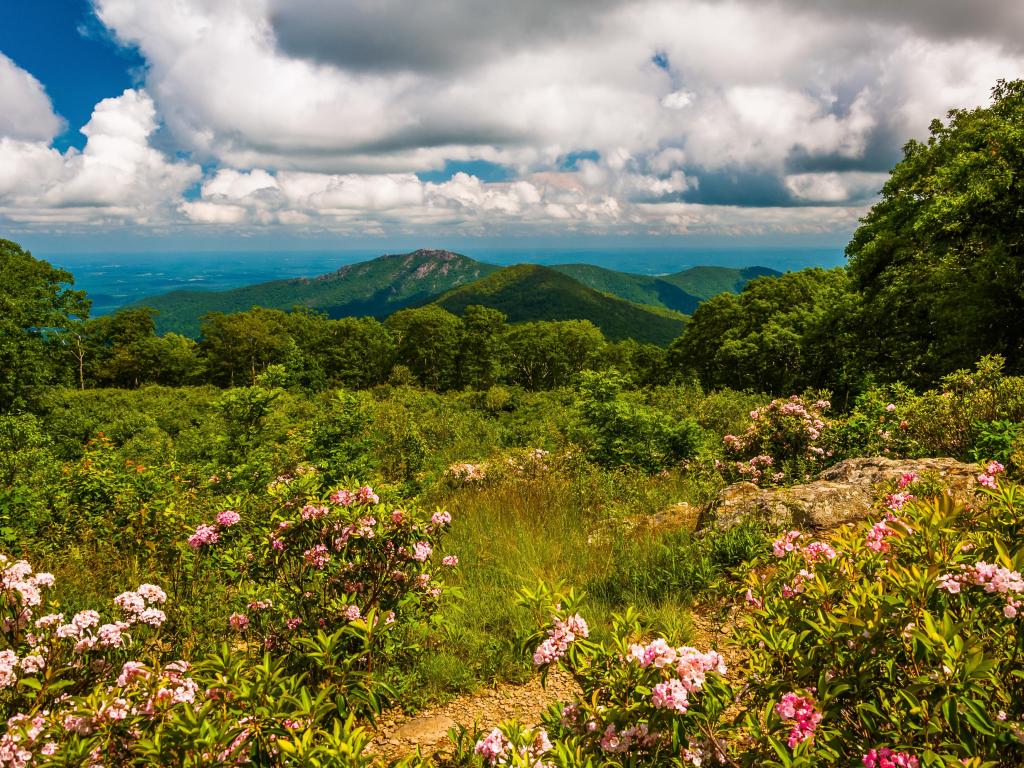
x: 546, y: 355
x: 239, y: 347
x: 37, y: 305
x: 482, y: 347
x: 939, y: 260
x: 769, y: 337
x: 428, y: 340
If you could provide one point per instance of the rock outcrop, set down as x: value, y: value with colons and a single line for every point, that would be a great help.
x: 841, y: 494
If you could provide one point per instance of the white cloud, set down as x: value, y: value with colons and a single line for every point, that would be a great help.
x: 606, y: 113
x: 833, y: 187
x: 25, y: 110
x: 118, y: 176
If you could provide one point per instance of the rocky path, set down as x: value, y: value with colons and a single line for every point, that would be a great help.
x: 397, y: 736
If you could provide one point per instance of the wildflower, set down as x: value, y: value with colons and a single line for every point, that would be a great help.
x: 886, y: 758
x: 560, y: 637
x: 317, y: 557
x: 342, y: 497
x: 786, y: 544
x: 152, y: 593
x: 227, y: 518
x: 153, y: 616
x: 351, y: 612
x: 205, y: 534
x: 890, y: 407
x: 238, y: 622
x: 875, y: 538
x: 440, y: 519
x: 817, y: 551
x: 365, y: 495
x: 493, y: 747
x: 801, y: 711
x: 421, y: 551
x: 670, y: 694
x: 313, y: 512
x: 450, y: 560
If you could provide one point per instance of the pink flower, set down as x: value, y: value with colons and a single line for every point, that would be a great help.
x: 313, y: 512
x: 890, y: 408
x: 227, y: 518
x: 238, y: 622
x: 450, y: 560
x: 788, y: 543
x: 994, y: 468
x: 817, y: 551
x: 317, y: 557
x: 293, y: 622
x: 152, y: 593
x: 365, y: 495
x: 987, y: 481
x: 440, y: 519
x: 875, y: 538
x: 886, y: 758
x: 421, y: 551
x: 670, y: 694
x: 801, y: 711
x: 342, y: 497
x: 351, y: 612
x: 205, y: 534
x: 493, y: 747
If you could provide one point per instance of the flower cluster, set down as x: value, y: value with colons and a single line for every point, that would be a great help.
x: 561, y: 635
x: 467, y: 474
x: 887, y: 758
x: 206, y: 534
x: 801, y: 712
x: 784, y: 440
x: 987, y: 479
x: 498, y: 749
x: 994, y: 579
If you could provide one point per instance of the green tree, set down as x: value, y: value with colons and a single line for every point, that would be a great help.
x: 769, y: 337
x: 623, y: 433
x: 239, y: 347
x: 429, y: 340
x: 546, y: 355
x: 482, y: 347
x: 37, y: 306
x: 939, y: 259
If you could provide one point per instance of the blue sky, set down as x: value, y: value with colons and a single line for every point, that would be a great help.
x: 310, y: 124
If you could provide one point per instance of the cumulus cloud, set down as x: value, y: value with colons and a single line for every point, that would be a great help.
x: 25, y: 110
x: 118, y: 176
x: 628, y: 114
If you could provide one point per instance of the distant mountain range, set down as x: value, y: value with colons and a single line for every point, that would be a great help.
x: 621, y: 304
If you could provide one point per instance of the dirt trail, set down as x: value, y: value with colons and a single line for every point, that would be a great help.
x: 397, y: 735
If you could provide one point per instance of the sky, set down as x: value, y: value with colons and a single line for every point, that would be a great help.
x: 225, y: 124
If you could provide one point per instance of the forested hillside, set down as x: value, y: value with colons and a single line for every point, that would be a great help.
x: 529, y: 292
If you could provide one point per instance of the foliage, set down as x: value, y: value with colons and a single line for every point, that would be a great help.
x: 624, y: 434
x: 37, y: 307
x: 937, y: 259
x: 784, y: 442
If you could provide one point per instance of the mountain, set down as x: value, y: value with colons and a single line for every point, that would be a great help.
x: 375, y: 288
x: 532, y: 292
x: 705, y: 282
x: 681, y: 291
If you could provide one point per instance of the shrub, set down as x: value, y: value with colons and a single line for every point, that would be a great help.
x: 784, y: 442
x: 625, y: 434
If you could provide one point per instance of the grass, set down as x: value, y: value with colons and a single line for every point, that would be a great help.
x: 584, y: 530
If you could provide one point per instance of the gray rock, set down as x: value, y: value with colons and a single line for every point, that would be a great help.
x: 841, y: 494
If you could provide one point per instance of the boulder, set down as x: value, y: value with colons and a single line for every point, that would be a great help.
x: 841, y: 494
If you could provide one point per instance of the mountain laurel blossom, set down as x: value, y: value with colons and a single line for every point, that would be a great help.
x: 802, y: 714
